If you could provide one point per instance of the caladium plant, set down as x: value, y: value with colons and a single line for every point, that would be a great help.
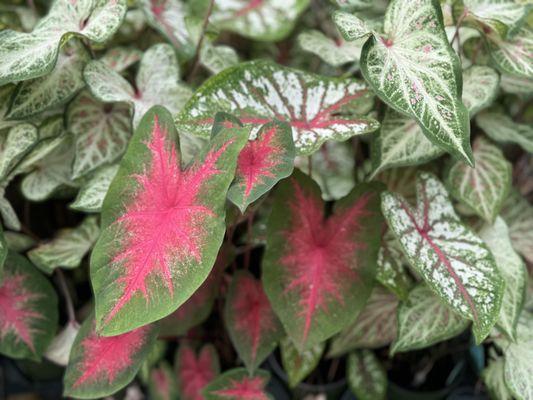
x: 266, y: 199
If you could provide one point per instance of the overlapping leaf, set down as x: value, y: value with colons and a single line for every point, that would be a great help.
x: 513, y: 55
x: 518, y: 214
x: 391, y: 271
x: 121, y: 58
x: 317, y: 271
x: 366, y: 376
x: 3, y: 252
x: 162, y: 383
x: 59, y: 349
x: 14, y: 145
x: 335, y: 52
x: 317, y: 108
x: 99, y: 366
x: 299, y: 364
x: 502, y: 128
x: 92, y: 193
x: 218, y: 58
x: 480, y: 87
x: 493, y: 376
x: 162, y: 225
x: 237, y: 384
x: 455, y: 263
x: 195, y: 372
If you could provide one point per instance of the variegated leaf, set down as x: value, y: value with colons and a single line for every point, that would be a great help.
x: 28, y: 310
x: 59, y: 349
x: 14, y: 145
x: 162, y: 383
x: 157, y: 83
x: 101, y: 132
x: 391, y: 271
x: 350, y: 26
x: 516, y: 84
x: 518, y: 214
x: 485, y: 187
x: 218, y: 58
x: 502, y: 128
x: 68, y: 247
x: 298, y: 365
x: 121, y: 58
x: 31, y: 55
x: 265, y: 20
x: 455, y: 263
x: 480, y: 87
x: 366, y: 376
x: 493, y: 376
x: 375, y: 327
x: 195, y: 371
x: 335, y: 52
x: 91, y: 195
x: 414, y: 70
x: 518, y: 360
x: 6, y: 94
x: 513, y: 55
x: 318, y: 271
x: 317, y: 108
x: 237, y: 384
x: 162, y: 225
x: 18, y: 242
x: 514, y: 273
x: 9, y: 216
x: 99, y: 366
x: 55, y: 89
x: 423, y: 320
x: 263, y: 161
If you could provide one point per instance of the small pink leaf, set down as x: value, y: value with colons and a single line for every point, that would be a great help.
x: 253, y: 327
x: 162, y: 383
x: 195, y: 372
x: 237, y: 384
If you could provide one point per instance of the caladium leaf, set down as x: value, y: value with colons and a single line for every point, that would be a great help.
x: 28, y: 310
x: 514, y: 273
x: 3, y: 251
x: 513, y: 55
x: 59, y: 349
x: 493, y: 376
x: 68, y: 248
x: 218, y: 58
x: 502, y: 128
x: 317, y: 108
x: 350, y: 26
x: 14, y: 145
x: 317, y: 271
x: 253, y: 327
x: 237, y: 384
x: 455, y: 263
x: 265, y: 20
x: 298, y: 365
x: 18, y: 242
x: 55, y: 89
x: 366, y: 376
x: 518, y: 214
x: 485, y: 187
x: 335, y: 52
x: 375, y: 326
x: 424, y: 320
x: 30, y: 55
x: 101, y: 132
x: 414, y: 70
x: 9, y: 216
x: 480, y: 87
x: 92, y: 193
x: 99, y: 366
x: 162, y: 225
x: 516, y: 84
x: 157, y: 83
x: 6, y: 94
x: 162, y: 383
x: 121, y: 58
x: 195, y: 372
x: 262, y: 163
x: 518, y: 367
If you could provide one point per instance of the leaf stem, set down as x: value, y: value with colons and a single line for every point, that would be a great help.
x: 64, y: 289
x: 196, y: 59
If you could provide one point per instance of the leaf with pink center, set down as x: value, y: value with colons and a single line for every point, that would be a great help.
x: 195, y: 371
x: 28, y: 310
x: 162, y: 383
x: 162, y: 224
x: 262, y: 163
x: 318, y: 269
x: 102, y: 365
x: 238, y: 384
x: 253, y: 327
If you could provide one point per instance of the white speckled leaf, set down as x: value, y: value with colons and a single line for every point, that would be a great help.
x: 391, y: 272
x: 6, y: 93
x: 298, y: 365
x: 9, y: 216
x: 92, y: 193
x: 350, y: 26
x: 218, y: 58
x: 366, y: 376
x: 519, y: 360
x: 424, y: 320
x: 516, y: 84
x: 30, y: 55
x: 414, y: 70
x: 68, y: 247
x: 485, y: 187
x: 513, y: 55
x: 317, y: 108
x: 518, y: 214
x: 335, y: 52
x: 121, y: 58
x: 480, y: 87
x: 502, y: 128
x: 14, y: 145
x: 454, y: 262
x: 101, y: 132
x: 265, y: 20
x: 493, y: 376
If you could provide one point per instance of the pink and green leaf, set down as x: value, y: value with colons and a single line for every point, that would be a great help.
x: 252, y: 325
x: 195, y: 371
x: 237, y: 384
x: 162, y: 224
x: 318, y: 271
x: 299, y: 364
x: 162, y: 383
x: 99, y: 365
x: 28, y: 310
x: 262, y: 163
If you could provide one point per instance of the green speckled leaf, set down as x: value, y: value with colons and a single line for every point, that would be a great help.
x: 14, y: 145
x: 391, y: 271
x: 92, y: 193
x: 298, y: 365
x: 217, y: 58
x: 518, y: 360
x: 502, y: 128
x: 513, y: 55
x: 366, y: 376
x: 350, y: 26
x: 518, y: 214
x: 493, y: 376
x: 516, y: 84
x: 121, y: 58
x: 335, y: 52
x: 480, y: 87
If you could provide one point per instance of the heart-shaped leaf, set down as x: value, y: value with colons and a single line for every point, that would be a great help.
x: 262, y: 163
x: 195, y: 372
x: 317, y: 271
x: 99, y: 366
x: 414, y: 70
x: 455, y: 263
x: 121, y: 58
x: 480, y: 87
x: 317, y: 108
x: 335, y: 52
x: 485, y: 187
x: 518, y: 214
x: 366, y: 376
x: 237, y: 384
x: 28, y: 310
x: 253, y: 327
x: 501, y: 128
x: 298, y: 365
x: 162, y: 225
x: 424, y: 320
x: 92, y: 193
x: 513, y: 55
x: 30, y: 55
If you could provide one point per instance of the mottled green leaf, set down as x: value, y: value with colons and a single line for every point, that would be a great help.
x: 366, y: 376
x: 92, y: 193
x: 391, y: 271
x: 513, y: 55
x: 516, y: 84
x: 351, y: 26
x: 121, y: 58
x: 218, y: 58
x: 518, y: 214
x: 335, y: 52
x: 18, y: 242
x: 298, y: 365
x: 519, y: 360
x: 480, y: 87
x: 493, y: 376
x: 237, y: 384
x: 14, y: 145
x: 502, y: 128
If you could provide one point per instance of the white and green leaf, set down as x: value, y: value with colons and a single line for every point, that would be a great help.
x: 299, y: 364
x: 91, y: 195
x: 518, y: 369
x: 493, y: 376
x: 480, y: 87
x: 14, y: 145
x: 351, y: 26
x: 366, y: 376
x: 217, y: 58
x: 518, y: 214
x: 335, y: 52
x: 513, y: 55
x: 501, y: 128
x: 121, y: 58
